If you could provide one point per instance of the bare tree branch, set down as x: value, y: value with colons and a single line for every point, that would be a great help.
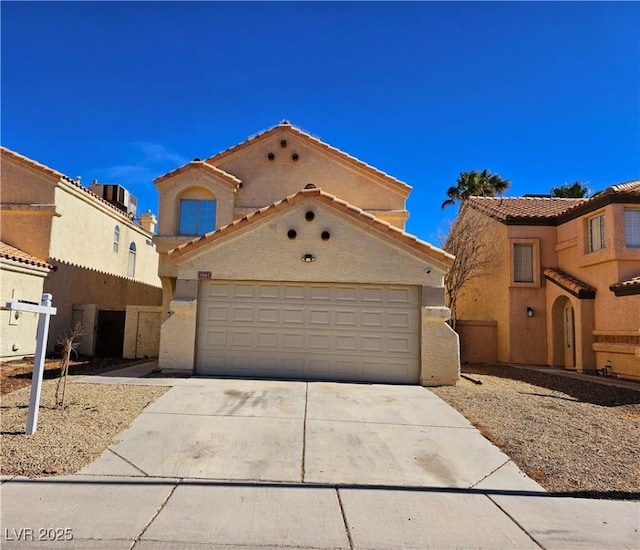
x: 69, y: 343
x: 475, y: 252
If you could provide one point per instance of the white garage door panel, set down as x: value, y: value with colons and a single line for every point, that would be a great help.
x: 315, y: 331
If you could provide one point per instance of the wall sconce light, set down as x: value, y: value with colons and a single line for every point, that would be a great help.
x: 529, y: 311
x: 308, y: 258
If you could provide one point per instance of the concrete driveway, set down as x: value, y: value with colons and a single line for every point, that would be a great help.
x: 312, y: 432
x: 268, y: 464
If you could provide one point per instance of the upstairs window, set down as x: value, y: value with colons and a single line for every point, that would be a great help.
x: 116, y: 238
x: 632, y: 228
x: 523, y: 263
x: 132, y: 260
x: 596, y: 233
x: 197, y: 216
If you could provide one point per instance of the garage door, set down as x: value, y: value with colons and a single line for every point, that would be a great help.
x: 309, y: 331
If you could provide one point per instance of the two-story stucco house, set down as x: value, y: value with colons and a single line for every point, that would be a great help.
x: 566, y: 289
x: 98, y: 261
x: 286, y: 257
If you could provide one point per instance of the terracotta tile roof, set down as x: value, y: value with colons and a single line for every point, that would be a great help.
x: 34, y: 164
x: 12, y: 253
x: 627, y: 188
x: 230, y: 179
x: 287, y: 126
x: 572, y: 285
x: 630, y: 286
x: 317, y: 194
x: 533, y: 209
x: 526, y: 208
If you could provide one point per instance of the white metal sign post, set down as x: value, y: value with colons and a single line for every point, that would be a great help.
x: 45, y: 311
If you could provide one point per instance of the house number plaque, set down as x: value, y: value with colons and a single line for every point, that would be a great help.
x: 204, y: 274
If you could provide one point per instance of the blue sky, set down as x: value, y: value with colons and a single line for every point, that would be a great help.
x: 542, y: 93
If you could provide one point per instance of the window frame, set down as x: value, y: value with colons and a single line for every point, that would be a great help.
x: 200, y: 218
x: 116, y: 239
x: 601, y: 230
x: 535, y: 262
x: 131, y: 267
x: 636, y: 227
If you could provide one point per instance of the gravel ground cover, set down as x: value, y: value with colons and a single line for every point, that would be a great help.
x: 67, y: 439
x: 572, y: 436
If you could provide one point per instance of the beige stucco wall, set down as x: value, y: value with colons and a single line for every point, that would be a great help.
x: 73, y: 286
x: 440, y: 349
x: 27, y: 228
x: 525, y: 330
x: 18, y: 329
x: 478, y: 341
x: 354, y: 254
x: 21, y: 183
x: 195, y: 183
x: 606, y: 327
x: 486, y: 298
x: 83, y: 235
x: 266, y: 181
x: 614, y: 335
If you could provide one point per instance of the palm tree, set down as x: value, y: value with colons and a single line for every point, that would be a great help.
x: 575, y: 190
x: 474, y: 183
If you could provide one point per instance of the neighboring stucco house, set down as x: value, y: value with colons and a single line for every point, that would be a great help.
x: 21, y: 278
x: 566, y: 289
x: 100, y: 260
x: 285, y: 257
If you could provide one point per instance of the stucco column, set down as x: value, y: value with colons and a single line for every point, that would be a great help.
x: 440, y: 348
x: 178, y: 330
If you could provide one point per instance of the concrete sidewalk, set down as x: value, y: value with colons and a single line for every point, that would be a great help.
x: 248, y: 464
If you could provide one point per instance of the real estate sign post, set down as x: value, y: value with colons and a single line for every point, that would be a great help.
x: 44, y: 310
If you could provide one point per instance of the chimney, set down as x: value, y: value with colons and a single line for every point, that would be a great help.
x: 148, y: 221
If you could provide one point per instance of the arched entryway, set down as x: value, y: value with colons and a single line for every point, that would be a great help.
x: 564, y: 333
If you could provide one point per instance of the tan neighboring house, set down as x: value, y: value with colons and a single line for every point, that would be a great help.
x: 21, y: 278
x: 95, y: 260
x: 565, y: 291
x: 286, y: 257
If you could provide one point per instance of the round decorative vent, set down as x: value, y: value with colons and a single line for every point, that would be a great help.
x: 271, y: 156
x: 292, y: 234
x: 309, y: 216
x: 325, y: 235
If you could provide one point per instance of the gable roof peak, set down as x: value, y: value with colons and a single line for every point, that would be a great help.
x: 316, y: 142
x: 406, y: 239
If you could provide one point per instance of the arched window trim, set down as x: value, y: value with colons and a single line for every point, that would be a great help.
x: 132, y: 260
x: 116, y: 238
x: 197, y: 211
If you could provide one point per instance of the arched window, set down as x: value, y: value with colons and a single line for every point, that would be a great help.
x: 132, y: 260
x: 197, y: 214
x: 116, y: 238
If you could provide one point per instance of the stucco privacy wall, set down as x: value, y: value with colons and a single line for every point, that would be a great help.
x: 73, y: 286
x: 19, y: 282
x: 142, y: 331
x: 353, y: 253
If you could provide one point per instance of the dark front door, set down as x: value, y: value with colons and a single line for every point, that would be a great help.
x: 110, y: 337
